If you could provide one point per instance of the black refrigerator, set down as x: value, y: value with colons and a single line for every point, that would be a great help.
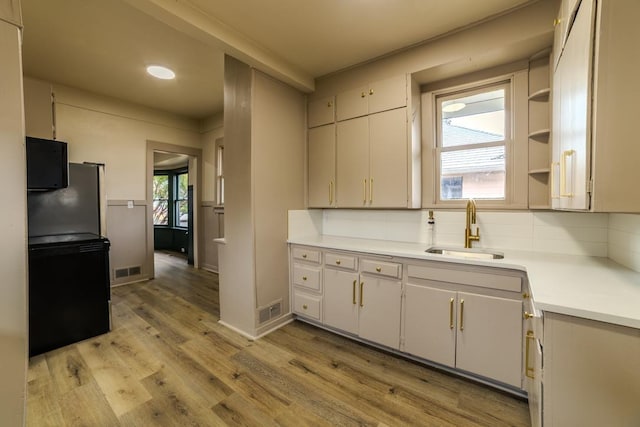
x: 69, y: 279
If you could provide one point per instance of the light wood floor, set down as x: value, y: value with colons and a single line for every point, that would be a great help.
x: 168, y: 362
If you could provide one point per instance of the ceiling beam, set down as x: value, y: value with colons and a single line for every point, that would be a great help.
x: 190, y: 20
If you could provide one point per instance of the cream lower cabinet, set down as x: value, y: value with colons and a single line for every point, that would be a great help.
x: 478, y: 332
x: 363, y: 305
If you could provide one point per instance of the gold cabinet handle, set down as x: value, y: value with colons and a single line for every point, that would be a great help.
x: 371, y: 190
x: 556, y: 21
x: 304, y: 278
x: 363, y: 94
x: 563, y: 174
x: 361, y: 294
x: 364, y: 190
x: 354, y: 292
x: 304, y: 306
x: 329, y: 104
x: 461, y: 314
x: 378, y: 269
x: 451, y: 313
x: 338, y: 262
x: 526, y: 295
x: 304, y: 256
x: 330, y: 192
x: 527, y: 315
x: 370, y: 91
x: 552, y: 180
x: 528, y: 371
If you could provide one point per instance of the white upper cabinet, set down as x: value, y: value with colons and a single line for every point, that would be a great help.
x: 322, y: 166
x: 595, y: 94
x: 372, y: 98
x: 321, y: 111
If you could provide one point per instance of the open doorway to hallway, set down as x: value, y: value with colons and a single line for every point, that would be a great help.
x: 173, y: 205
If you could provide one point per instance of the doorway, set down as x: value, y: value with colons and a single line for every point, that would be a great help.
x: 173, y: 201
x: 172, y: 205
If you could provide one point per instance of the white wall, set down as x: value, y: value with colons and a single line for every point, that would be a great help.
x: 624, y: 239
x: 13, y: 227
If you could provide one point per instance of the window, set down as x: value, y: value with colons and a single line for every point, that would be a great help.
x: 181, y: 200
x: 220, y: 172
x: 161, y: 200
x: 171, y: 198
x: 473, y: 131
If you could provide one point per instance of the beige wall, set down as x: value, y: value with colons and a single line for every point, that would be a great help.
x: 497, y: 41
x: 106, y: 130
x: 13, y: 263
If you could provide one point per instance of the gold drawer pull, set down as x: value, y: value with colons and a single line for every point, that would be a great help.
x: 304, y: 255
x: 304, y: 306
x: 378, y: 269
x: 528, y: 371
x: 527, y: 315
x: 363, y: 94
x: 338, y: 261
x: 361, y: 292
x: 370, y: 91
x: 451, y: 313
x: 461, y: 315
x: 354, y: 292
x: 526, y: 295
x: 329, y: 104
x: 304, y: 278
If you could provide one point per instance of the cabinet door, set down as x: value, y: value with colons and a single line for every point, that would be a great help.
x: 352, y: 103
x: 322, y: 166
x: 575, y: 109
x: 379, y: 318
x: 388, y: 173
x: 430, y: 324
x: 321, y: 112
x: 489, y: 337
x: 340, y: 300
x: 388, y: 94
x: 353, y: 163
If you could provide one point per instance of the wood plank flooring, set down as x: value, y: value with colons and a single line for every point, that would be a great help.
x: 167, y: 362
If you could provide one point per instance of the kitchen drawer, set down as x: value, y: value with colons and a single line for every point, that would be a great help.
x: 307, y: 305
x: 340, y: 260
x: 307, y: 276
x: 306, y: 254
x: 382, y: 268
x: 472, y: 278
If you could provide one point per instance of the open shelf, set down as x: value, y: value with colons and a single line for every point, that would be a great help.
x: 540, y: 95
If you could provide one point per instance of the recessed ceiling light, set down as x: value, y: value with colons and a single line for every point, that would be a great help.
x: 161, y: 72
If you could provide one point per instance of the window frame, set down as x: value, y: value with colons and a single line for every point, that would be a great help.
x: 446, y: 95
x: 176, y: 197
x: 518, y: 151
x: 173, y: 219
x: 153, y: 200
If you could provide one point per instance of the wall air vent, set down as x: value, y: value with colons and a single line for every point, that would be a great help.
x: 122, y: 272
x: 128, y: 271
x: 270, y: 312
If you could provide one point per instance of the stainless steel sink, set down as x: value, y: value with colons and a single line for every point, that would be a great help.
x: 465, y: 253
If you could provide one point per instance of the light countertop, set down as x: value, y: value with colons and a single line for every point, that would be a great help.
x: 594, y: 288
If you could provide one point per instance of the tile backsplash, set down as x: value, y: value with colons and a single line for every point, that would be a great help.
x: 616, y: 236
x: 624, y: 240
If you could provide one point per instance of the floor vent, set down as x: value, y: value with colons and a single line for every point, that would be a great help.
x: 267, y: 313
x: 128, y: 271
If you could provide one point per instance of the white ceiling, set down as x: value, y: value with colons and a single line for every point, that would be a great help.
x: 103, y: 46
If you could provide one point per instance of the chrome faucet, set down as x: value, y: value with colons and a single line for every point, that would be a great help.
x: 471, y: 219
